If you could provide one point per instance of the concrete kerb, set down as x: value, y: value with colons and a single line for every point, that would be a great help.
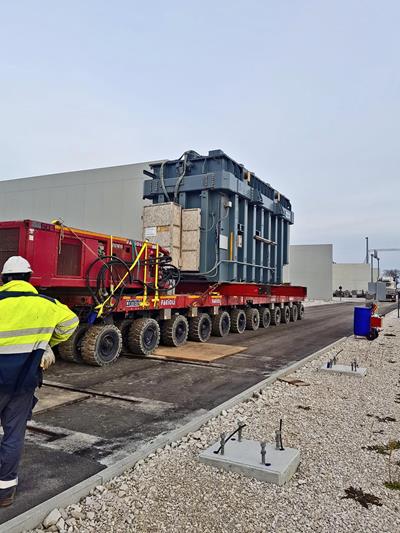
x: 33, y: 517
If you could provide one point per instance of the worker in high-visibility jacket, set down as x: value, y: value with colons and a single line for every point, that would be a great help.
x: 30, y: 324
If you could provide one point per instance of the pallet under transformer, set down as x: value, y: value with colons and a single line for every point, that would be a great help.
x: 129, y: 297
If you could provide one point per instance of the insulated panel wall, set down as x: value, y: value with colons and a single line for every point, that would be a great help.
x: 352, y: 276
x: 310, y: 265
x: 108, y: 200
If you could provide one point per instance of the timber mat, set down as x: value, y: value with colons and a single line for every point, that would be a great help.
x: 202, y: 352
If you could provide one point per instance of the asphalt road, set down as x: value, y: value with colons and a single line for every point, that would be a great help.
x: 92, y: 429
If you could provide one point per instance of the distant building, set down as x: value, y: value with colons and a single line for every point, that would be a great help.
x: 352, y: 276
x: 311, y: 265
x: 107, y: 200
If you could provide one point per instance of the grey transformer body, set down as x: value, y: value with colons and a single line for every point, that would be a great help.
x: 244, y: 232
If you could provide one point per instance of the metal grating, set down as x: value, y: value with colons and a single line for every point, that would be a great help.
x: 69, y: 260
x: 9, y: 242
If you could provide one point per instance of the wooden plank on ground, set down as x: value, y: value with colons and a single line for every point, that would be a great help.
x: 50, y: 397
x: 198, y: 351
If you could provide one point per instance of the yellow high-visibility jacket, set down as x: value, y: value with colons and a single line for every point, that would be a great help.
x: 29, y: 322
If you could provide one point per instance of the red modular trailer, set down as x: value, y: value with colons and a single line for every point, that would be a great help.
x: 127, y: 293
x: 64, y: 257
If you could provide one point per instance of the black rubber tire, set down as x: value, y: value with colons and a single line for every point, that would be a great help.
x: 144, y: 336
x: 294, y: 313
x: 285, y: 316
x: 124, y: 326
x: 373, y: 334
x: 175, y: 331
x: 101, y: 345
x: 238, y: 321
x: 70, y: 350
x: 252, y: 318
x: 265, y: 317
x: 301, y: 312
x: 200, y: 328
x: 221, y: 324
x: 276, y: 316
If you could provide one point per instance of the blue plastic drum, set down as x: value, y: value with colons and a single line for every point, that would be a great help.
x: 362, y: 321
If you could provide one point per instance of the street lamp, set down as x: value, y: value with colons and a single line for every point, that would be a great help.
x: 372, y: 268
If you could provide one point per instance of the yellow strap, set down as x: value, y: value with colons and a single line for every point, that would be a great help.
x: 156, y: 297
x: 144, y: 301
x: 100, y: 307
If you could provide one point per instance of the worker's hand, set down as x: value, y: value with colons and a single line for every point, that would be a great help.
x: 48, y: 358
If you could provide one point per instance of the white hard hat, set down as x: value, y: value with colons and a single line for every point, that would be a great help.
x: 16, y: 265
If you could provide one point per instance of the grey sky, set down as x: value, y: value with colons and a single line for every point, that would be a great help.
x: 304, y: 93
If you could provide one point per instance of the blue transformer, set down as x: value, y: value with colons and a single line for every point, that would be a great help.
x: 244, y: 221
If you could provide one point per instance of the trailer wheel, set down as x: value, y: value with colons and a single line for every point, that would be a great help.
x: 265, y: 317
x: 101, y: 345
x: 301, y: 312
x: 276, y: 316
x: 70, y: 350
x: 174, y: 332
x: 200, y: 328
x: 294, y: 313
x: 124, y: 328
x: 221, y: 324
x: 144, y: 336
x: 238, y: 320
x: 252, y: 318
x: 285, y: 316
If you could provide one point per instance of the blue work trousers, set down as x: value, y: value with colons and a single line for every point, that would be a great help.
x: 15, y: 411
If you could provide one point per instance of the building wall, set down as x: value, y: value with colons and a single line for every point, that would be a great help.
x: 352, y: 276
x: 310, y: 265
x: 107, y: 200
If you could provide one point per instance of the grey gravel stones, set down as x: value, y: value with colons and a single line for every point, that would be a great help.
x: 173, y: 492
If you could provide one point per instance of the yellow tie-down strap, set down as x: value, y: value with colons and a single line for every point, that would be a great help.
x: 143, y: 250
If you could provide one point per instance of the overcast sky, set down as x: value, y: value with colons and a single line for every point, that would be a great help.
x: 304, y: 93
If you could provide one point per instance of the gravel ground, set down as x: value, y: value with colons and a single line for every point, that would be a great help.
x: 331, y: 419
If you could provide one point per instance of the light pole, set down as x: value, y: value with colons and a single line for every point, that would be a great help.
x: 366, y: 250
x: 378, y: 259
x: 372, y: 268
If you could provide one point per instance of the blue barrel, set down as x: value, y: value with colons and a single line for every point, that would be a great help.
x: 362, y: 321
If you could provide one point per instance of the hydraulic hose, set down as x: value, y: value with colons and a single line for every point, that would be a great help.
x: 169, y: 276
x: 101, y: 278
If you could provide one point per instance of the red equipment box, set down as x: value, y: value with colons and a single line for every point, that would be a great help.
x: 376, y: 322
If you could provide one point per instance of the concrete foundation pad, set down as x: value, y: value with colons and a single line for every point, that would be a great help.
x: 344, y: 369
x: 245, y: 458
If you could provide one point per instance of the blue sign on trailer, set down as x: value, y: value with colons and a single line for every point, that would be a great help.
x: 244, y: 221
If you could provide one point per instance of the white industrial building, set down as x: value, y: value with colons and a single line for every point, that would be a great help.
x: 352, y: 276
x: 312, y: 265
x: 107, y: 200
